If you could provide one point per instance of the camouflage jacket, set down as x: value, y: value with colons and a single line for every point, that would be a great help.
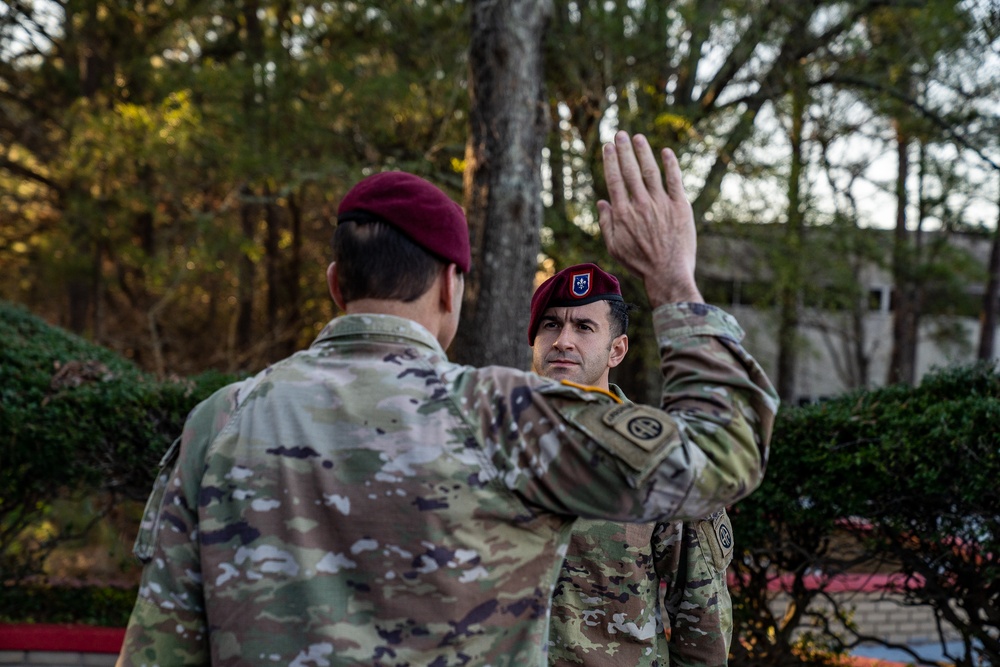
x: 607, y: 609
x: 366, y: 501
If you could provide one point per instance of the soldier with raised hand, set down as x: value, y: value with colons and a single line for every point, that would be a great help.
x: 366, y: 501
x: 607, y: 608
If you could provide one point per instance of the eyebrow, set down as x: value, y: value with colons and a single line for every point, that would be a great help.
x: 574, y: 320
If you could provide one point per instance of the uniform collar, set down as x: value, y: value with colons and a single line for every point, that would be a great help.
x: 617, y: 391
x: 385, y: 327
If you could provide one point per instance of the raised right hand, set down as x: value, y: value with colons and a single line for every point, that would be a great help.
x: 649, y: 225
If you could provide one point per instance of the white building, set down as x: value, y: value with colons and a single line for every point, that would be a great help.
x: 840, y: 348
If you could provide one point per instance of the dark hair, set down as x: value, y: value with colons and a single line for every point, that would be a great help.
x: 377, y: 261
x: 618, y: 316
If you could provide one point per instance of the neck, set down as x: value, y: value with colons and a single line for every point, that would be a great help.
x: 413, y: 310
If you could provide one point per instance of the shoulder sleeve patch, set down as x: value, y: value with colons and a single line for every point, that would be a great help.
x: 637, y: 434
x: 716, y: 531
x: 724, y: 531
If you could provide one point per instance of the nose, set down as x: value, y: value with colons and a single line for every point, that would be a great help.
x: 564, y: 341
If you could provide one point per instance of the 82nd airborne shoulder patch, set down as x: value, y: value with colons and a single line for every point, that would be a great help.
x: 716, y: 531
x: 634, y: 433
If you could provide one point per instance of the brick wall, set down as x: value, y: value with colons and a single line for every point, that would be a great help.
x: 880, y: 614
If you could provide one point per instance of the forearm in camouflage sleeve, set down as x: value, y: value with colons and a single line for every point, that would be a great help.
x: 720, y: 397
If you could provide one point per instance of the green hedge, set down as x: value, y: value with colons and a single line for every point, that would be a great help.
x: 86, y: 605
x: 917, y: 470
x: 75, y: 418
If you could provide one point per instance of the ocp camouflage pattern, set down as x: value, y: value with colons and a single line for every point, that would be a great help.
x: 366, y: 501
x: 607, y: 607
x: 604, y: 605
x: 691, y: 559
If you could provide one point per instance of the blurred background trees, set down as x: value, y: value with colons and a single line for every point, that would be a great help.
x: 169, y: 170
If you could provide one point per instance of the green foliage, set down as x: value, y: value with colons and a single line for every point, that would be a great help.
x: 913, y: 472
x: 87, y: 605
x: 172, y: 168
x: 74, y: 419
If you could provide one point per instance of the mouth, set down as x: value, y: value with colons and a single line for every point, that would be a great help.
x: 563, y: 363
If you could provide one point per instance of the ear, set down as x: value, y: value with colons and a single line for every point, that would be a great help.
x: 334, y: 285
x: 449, y: 287
x: 619, y: 348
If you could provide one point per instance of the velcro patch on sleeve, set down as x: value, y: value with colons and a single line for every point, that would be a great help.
x: 634, y: 433
x: 724, y: 532
x: 716, y: 531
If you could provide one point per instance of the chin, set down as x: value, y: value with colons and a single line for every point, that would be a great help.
x: 563, y: 374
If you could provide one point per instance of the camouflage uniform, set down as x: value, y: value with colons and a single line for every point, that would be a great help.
x: 692, y: 559
x: 366, y: 501
x: 607, y: 610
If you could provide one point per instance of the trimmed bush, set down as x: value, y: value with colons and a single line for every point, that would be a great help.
x: 86, y: 605
x: 900, y: 480
x: 74, y: 419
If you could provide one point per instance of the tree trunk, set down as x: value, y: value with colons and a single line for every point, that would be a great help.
x: 862, y: 360
x: 902, y: 362
x: 988, y: 316
x: 244, y: 290
x: 78, y: 290
x: 293, y: 316
x: 790, y: 267
x: 248, y: 209
x: 503, y: 181
x: 83, y: 54
x: 272, y: 272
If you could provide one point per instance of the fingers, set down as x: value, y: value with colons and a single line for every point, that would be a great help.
x: 633, y: 178
x: 627, y: 164
x: 630, y: 168
x: 647, y: 164
x: 613, y: 175
x: 672, y: 175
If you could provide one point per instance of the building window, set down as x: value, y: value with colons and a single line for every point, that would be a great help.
x: 876, y: 300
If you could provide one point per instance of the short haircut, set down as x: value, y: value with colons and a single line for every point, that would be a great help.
x: 377, y: 261
x: 618, y: 317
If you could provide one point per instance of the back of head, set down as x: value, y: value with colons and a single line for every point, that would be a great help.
x: 395, y: 231
x: 376, y: 261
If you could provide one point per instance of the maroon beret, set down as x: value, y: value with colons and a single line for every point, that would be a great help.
x: 574, y: 286
x: 417, y: 208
